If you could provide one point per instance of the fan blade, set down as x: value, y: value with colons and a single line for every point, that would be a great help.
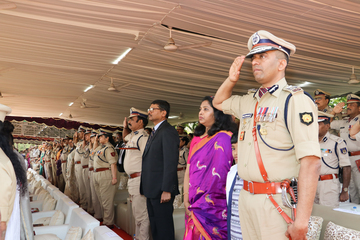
x: 196, y: 45
x: 7, y: 6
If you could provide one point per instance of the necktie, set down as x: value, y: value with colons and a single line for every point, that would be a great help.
x: 150, y: 137
x: 262, y: 91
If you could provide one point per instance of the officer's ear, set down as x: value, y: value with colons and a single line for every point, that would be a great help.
x: 282, y: 64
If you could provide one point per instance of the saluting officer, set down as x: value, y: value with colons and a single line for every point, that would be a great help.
x: 353, y: 142
x: 79, y: 152
x: 94, y: 146
x: 334, y: 155
x: 281, y: 147
x: 105, y: 175
x: 135, y: 144
x: 85, y: 168
x: 48, y: 166
x: 63, y: 157
x: 71, y: 189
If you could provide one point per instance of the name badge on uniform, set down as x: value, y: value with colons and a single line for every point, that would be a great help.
x: 242, y: 136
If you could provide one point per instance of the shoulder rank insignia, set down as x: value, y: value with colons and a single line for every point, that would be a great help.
x: 293, y: 89
x: 343, y: 150
x: 306, y: 118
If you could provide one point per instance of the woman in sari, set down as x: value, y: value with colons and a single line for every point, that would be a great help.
x: 209, y: 162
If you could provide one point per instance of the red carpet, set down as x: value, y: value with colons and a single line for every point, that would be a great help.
x: 122, y: 233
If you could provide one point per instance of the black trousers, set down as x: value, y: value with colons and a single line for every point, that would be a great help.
x: 161, y: 218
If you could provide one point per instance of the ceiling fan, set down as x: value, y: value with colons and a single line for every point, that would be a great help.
x: 112, y: 86
x: 7, y: 6
x: 83, y: 104
x: 171, y: 46
x: 180, y: 116
x: 353, y: 79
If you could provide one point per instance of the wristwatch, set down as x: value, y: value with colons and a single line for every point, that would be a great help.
x: 345, y: 189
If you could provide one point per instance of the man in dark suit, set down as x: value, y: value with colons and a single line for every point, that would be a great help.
x: 159, y: 181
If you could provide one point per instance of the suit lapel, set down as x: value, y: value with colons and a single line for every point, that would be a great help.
x: 152, y: 139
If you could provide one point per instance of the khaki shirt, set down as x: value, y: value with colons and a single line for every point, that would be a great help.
x: 64, y: 154
x: 353, y: 144
x: 133, y: 157
x: 8, y: 187
x: 92, y: 156
x: 183, y: 157
x: 105, y: 156
x: 47, y: 156
x: 328, y: 109
x: 328, y: 154
x: 85, y: 157
x: 302, y: 133
x: 79, y: 151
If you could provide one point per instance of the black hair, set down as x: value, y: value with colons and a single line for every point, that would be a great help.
x: 234, y: 137
x: 6, y: 139
x: 327, y: 97
x: 144, y: 120
x: 111, y: 139
x: 222, y: 122
x: 163, y: 105
x: 185, y: 139
x: 148, y: 130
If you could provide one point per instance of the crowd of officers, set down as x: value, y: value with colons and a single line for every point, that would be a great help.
x: 85, y: 167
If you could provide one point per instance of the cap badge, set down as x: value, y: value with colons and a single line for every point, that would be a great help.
x: 317, y: 92
x: 348, y: 97
x: 255, y: 38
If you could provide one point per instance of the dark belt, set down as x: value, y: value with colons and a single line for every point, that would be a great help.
x: 180, y: 169
x: 47, y: 161
x: 101, y: 169
x: 91, y: 168
x: 328, y: 177
x: 78, y: 162
x: 64, y: 161
x: 355, y: 153
x: 262, y: 188
x: 134, y: 175
x: 85, y: 166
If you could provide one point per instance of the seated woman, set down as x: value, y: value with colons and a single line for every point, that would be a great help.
x: 210, y: 159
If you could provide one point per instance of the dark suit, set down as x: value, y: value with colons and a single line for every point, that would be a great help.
x: 158, y: 175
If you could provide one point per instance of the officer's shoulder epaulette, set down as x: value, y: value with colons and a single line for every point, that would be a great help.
x: 293, y: 89
x: 336, y: 138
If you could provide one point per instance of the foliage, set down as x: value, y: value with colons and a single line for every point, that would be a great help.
x: 335, y: 101
x: 190, y: 127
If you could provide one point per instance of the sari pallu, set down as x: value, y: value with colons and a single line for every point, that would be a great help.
x: 210, y: 161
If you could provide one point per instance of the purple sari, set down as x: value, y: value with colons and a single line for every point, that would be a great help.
x: 210, y: 161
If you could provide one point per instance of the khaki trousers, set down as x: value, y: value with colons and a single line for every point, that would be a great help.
x: 95, y: 200
x: 86, y: 181
x: 141, y: 216
x: 328, y: 193
x: 63, y: 169
x: 106, y: 193
x: 259, y: 218
x: 354, y: 187
x: 81, y: 185
x: 48, y: 172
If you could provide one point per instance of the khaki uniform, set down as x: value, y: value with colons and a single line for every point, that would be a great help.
x: 328, y: 191
x: 353, y: 145
x: 63, y: 157
x: 132, y: 164
x: 53, y: 166
x: 183, y: 158
x: 8, y: 187
x: 85, y: 168
x: 71, y: 189
x: 337, y: 116
x: 258, y: 216
x: 94, y: 199
x: 48, y: 166
x: 102, y: 181
x: 79, y: 152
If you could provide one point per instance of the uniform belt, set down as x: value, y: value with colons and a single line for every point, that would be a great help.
x: 101, y: 169
x: 328, y: 177
x: 85, y: 166
x: 355, y: 153
x: 64, y: 161
x: 262, y: 188
x: 182, y: 168
x: 78, y: 162
x: 47, y: 161
x: 134, y: 175
x: 91, y: 168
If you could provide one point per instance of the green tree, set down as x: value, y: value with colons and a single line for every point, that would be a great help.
x: 334, y: 101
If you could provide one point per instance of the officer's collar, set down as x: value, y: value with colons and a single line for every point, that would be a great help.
x: 274, y: 90
x: 326, y: 137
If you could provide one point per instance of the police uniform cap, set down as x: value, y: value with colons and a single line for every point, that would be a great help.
x: 322, y: 116
x: 263, y: 41
x: 88, y: 130
x: 4, y: 110
x: 106, y: 132
x: 116, y: 132
x: 352, y: 98
x: 94, y: 133
x: 319, y: 92
x: 81, y: 129
x: 137, y: 112
x: 180, y: 126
